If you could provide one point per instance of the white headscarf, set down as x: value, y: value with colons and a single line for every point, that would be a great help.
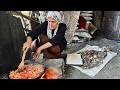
x: 57, y: 16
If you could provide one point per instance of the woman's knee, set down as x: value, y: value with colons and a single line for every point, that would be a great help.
x: 49, y: 55
x: 54, y: 50
x: 44, y: 39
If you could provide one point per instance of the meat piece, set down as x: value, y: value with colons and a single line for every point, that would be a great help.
x: 92, y: 58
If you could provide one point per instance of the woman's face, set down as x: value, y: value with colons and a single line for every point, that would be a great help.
x: 52, y: 23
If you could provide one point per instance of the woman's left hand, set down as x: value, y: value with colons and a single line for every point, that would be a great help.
x: 37, y: 53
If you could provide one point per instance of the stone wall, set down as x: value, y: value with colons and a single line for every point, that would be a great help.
x: 111, y: 24
x: 71, y: 20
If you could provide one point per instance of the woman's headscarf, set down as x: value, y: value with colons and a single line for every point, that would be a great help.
x: 55, y: 15
x: 58, y: 16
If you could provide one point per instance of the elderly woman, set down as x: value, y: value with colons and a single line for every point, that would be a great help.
x: 52, y: 40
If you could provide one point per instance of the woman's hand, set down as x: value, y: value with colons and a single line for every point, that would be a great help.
x: 37, y: 53
x: 27, y: 44
x: 43, y: 47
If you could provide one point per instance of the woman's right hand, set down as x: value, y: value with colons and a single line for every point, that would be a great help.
x: 27, y: 44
